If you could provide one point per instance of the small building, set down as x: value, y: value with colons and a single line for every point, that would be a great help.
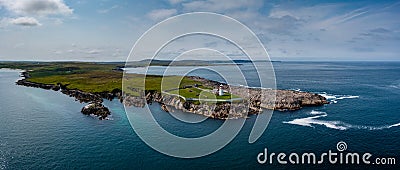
x: 220, y: 90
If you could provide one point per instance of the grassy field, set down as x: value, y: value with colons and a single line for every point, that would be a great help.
x: 88, y: 77
x: 153, y: 82
x: 103, y: 77
x: 201, y: 93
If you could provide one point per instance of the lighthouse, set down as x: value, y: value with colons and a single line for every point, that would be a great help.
x: 220, y: 91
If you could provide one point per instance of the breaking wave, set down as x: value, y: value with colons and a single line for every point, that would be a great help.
x: 395, y: 86
x: 334, y: 98
x: 339, y: 125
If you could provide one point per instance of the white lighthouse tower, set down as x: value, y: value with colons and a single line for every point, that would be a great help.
x: 220, y: 90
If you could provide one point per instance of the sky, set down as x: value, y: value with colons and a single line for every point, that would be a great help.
x: 106, y: 30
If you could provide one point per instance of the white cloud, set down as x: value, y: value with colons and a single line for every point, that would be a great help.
x: 281, y: 13
x: 173, y: 2
x: 94, y: 51
x: 25, y: 12
x: 353, y: 14
x: 37, y: 7
x: 25, y: 21
x: 104, y: 11
x: 159, y: 14
x: 222, y: 5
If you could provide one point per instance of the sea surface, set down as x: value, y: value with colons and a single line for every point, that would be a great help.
x: 41, y: 129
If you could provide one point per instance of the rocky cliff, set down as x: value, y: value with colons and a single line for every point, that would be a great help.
x: 254, y: 100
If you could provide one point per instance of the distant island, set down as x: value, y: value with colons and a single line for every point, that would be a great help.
x: 91, y: 82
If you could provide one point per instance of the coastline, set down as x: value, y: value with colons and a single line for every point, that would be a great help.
x: 255, y: 99
x: 94, y: 100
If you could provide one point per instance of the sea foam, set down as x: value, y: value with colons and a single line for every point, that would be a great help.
x: 334, y: 98
x: 313, y: 120
x: 338, y: 125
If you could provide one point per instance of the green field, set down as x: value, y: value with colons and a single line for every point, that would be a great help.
x: 103, y: 77
x: 87, y: 77
x: 201, y: 93
x: 155, y: 83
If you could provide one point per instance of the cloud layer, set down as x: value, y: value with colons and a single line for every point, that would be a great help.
x: 37, y: 7
x: 161, y: 14
x: 290, y: 30
x: 25, y: 12
x: 25, y: 21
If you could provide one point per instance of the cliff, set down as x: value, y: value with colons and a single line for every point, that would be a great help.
x: 253, y: 99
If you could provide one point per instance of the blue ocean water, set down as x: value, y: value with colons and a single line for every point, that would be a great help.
x: 45, y: 129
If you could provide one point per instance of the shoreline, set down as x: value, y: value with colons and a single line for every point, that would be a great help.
x: 94, y: 100
x: 255, y: 99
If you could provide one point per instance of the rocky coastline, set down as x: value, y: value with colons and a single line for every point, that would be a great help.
x: 254, y: 100
x: 94, y: 100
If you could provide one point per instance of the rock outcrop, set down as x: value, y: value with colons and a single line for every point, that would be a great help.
x: 281, y: 100
x: 24, y: 82
x: 96, y: 109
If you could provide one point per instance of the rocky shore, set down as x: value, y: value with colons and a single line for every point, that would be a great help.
x: 254, y: 100
x: 95, y: 100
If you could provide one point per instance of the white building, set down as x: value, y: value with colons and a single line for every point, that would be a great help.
x: 220, y: 90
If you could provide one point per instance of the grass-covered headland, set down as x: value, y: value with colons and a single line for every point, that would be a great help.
x: 92, y: 82
x: 105, y: 77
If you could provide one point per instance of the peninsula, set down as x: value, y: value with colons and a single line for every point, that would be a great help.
x: 91, y: 83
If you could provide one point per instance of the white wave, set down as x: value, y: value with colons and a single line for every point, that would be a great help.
x: 327, y: 96
x: 398, y: 124
x: 334, y: 98
x: 310, y: 121
x: 395, y: 86
x: 314, y: 112
x: 339, y: 125
x: 347, y: 97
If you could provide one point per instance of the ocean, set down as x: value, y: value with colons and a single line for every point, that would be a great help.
x: 42, y: 129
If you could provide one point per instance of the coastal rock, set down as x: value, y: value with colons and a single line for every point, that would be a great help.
x: 95, y: 99
x: 128, y: 100
x: 23, y: 82
x: 254, y: 99
x: 164, y: 107
x: 83, y: 96
x: 96, y: 109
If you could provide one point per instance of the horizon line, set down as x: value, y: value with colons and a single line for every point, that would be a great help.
x: 119, y: 61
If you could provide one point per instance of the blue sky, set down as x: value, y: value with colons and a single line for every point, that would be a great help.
x: 105, y: 30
